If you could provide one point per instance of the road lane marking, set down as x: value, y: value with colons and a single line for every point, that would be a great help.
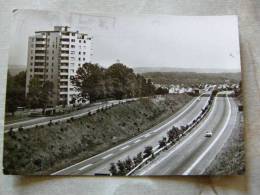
x: 181, y: 143
x: 107, y: 156
x: 147, y: 135
x: 214, y: 141
x: 137, y: 141
x: 124, y: 147
x: 80, y: 169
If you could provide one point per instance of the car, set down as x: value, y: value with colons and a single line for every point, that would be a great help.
x: 208, y: 134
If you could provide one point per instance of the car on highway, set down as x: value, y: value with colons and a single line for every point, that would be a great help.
x: 208, y: 134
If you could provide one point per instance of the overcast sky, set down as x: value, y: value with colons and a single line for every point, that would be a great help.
x: 201, y: 42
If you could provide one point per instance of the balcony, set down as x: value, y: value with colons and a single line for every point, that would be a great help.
x: 65, y: 37
x: 40, y: 42
x: 40, y: 48
x: 39, y: 60
x: 65, y: 48
x: 64, y: 61
x: 64, y: 74
x: 65, y: 42
x: 40, y: 54
x: 64, y: 67
x: 64, y: 54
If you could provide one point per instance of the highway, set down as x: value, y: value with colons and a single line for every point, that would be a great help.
x: 27, y: 124
x: 101, y: 162
x: 195, y: 152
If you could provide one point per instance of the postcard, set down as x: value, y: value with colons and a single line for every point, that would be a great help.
x: 123, y: 95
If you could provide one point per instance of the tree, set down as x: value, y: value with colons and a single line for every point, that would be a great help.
x: 90, y: 81
x: 113, y: 170
x: 121, y: 168
x: 15, y: 92
x: 40, y: 93
x: 162, y: 142
x: 161, y: 91
x: 138, y: 159
x: 129, y: 164
x: 148, y: 151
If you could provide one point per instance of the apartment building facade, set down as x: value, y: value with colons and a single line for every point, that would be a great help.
x: 55, y: 56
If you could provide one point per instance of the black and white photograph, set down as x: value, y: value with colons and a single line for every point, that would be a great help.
x: 123, y: 95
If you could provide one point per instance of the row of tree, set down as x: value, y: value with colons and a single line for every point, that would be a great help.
x: 92, y: 81
x: 117, y: 81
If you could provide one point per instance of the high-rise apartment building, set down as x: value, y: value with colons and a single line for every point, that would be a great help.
x: 55, y: 56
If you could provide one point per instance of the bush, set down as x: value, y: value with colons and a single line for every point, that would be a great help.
x: 138, y: 159
x: 113, y: 170
x: 148, y: 151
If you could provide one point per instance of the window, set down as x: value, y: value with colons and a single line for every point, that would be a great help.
x: 72, y: 40
x: 79, y: 59
x: 52, y: 51
x: 51, y: 64
x: 83, y: 59
x: 52, y: 70
x: 73, y: 34
x: 84, y: 41
x: 31, y: 57
x: 79, y: 52
x: 80, y: 41
x: 31, y: 64
x: 72, y: 46
x: 84, y: 53
x: 31, y: 70
x: 52, y: 58
x: 72, y: 52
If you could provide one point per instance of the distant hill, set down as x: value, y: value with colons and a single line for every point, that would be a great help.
x: 15, y: 69
x: 169, y: 69
x: 191, y: 78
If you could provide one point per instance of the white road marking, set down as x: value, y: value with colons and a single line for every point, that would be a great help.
x: 105, y: 157
x: 212, y: 144
x: 80, y: 169
x: 181, y: 144
x: 147, y: 135
x: 124, y: 147
x: 137, y: 140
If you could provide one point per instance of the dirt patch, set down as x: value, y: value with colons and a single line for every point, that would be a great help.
x: 46, y: 149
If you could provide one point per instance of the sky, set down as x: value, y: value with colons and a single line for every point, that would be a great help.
x: 197, y: 42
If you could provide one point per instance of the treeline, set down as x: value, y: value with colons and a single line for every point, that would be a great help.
x: 39, y: 95
x: 15, y: 91
x: 92, y: 81
x: 117, y: 81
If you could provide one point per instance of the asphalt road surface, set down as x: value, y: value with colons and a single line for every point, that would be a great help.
x: 45, y: 120
x: 101, y: 162
x: 195, y: 152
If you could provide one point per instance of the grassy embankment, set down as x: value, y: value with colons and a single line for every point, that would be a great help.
x: 47, y: 149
